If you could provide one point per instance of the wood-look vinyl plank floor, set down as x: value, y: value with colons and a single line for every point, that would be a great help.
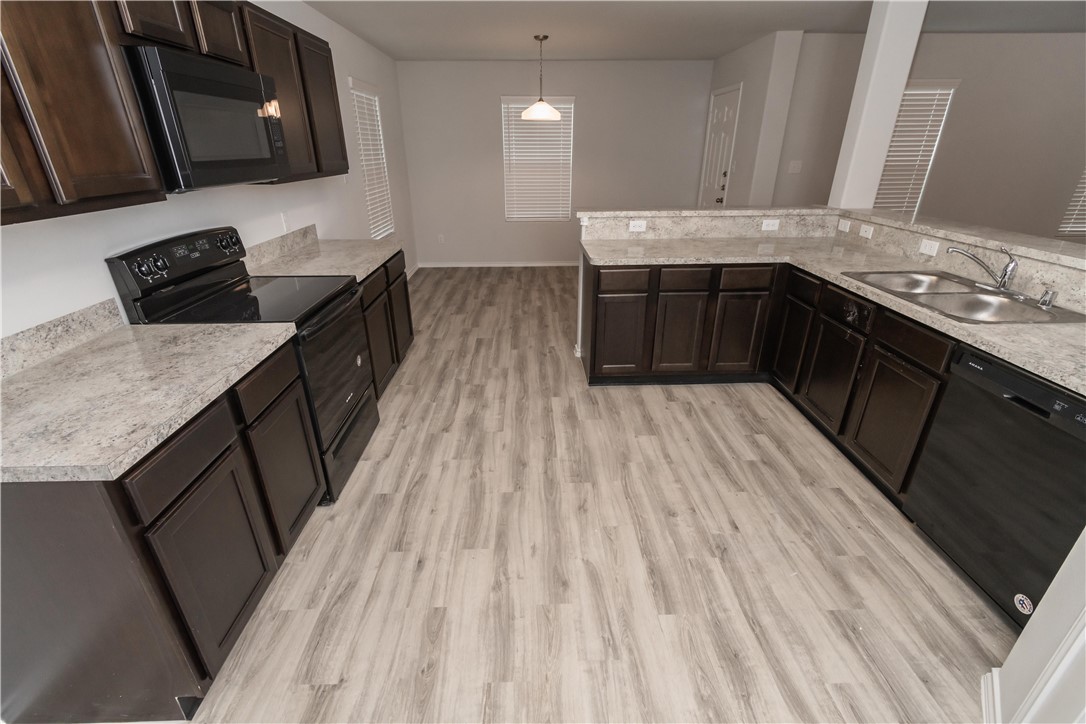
x: 517, y: 546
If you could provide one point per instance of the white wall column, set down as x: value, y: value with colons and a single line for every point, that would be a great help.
x: 892, y: 33
x: 778, y: 96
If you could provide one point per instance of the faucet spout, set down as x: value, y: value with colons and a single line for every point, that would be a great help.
x: 1003, y: 279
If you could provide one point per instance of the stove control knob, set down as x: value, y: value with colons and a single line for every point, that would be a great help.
x: 143, y: 269
x: 160, y: 263
x: 223, y: 243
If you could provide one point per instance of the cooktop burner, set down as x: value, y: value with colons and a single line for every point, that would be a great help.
x: 265, y: 299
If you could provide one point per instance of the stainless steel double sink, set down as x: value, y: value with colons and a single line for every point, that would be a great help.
x: 964, y: 299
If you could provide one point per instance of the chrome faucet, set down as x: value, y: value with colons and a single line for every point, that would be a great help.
x: 1003, y: 279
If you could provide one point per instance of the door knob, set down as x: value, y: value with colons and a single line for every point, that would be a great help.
x: 720, y: 199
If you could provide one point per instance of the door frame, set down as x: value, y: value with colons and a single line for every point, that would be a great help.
x: 705, y: 147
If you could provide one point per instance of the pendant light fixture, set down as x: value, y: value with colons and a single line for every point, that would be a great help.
x: 541, y: 110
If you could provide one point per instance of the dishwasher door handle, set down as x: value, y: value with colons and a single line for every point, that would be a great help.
x: 1027, y: 405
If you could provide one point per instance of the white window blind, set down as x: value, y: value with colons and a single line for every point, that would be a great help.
x: 1074, y: 221
x: 538, y: 161
x: 371, y: 151
x: 919, y: 124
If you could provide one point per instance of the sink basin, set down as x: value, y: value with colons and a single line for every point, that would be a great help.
x: 914, y: 282
x: 983, y: 307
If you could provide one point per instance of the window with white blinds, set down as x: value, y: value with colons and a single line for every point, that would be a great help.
x: 538, y: 161
x: 371, y: 151
x: 919, y: 124
x: 1074, y: 221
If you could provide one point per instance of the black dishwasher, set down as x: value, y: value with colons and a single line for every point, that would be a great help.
x: 1000, y: 484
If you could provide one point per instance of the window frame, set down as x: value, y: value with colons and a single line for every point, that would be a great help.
x: 559, y: 205
x: 373, y: 160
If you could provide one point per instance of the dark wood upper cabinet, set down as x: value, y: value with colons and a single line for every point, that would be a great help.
x: 795, y: 331
x: 680, y: 327
x: 220, y: 31
x: 738, y: 331
x: 165, y: 21
x: 402, y: 325
x: 288, y: 463
x: 322, y: 102
x: 382, y: 342
x: 830, y: 371
x: 273, y: 46
x: 620, y: 333
x: 893, y: 401
x: 70, y: 79
x: 22, y: 181
x: 216, y: 554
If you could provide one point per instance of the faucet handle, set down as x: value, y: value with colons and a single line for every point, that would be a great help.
x: 1047, y: 298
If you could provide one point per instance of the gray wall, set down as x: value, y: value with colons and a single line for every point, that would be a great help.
x: 1014, y: 145
x: 638, y: 131
x: 821, y: 94
x: 68, y: 253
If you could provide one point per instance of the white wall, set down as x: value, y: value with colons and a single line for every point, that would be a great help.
x: 1013, y: 147
x: 821, y: 94
x: 638, y: 131
x: 40, y: 257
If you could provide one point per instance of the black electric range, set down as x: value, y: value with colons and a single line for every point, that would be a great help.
x: 200, y: 278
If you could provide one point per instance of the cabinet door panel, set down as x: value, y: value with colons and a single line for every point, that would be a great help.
x: 216, y: 554
x: 680, y: 325
x: 167, y: 21
x: 322, y: 102
x: 382, y: 342
x: 287, y: 460
x: 795, y: 329
x: 738, y: 331
x: 220, y: 30
x: 620, y: 333
x: 72, y: 82
x: 893, y: 401
x: 22, y: 182
x: 831, y: 369
x: 402, y: 326
x: 274, y: 51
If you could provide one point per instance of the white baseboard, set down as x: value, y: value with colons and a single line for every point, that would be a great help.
x: 989, y: 697
x: 412, y: 270
x: 458, y: 264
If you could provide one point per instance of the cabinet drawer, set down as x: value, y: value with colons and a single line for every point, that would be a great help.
x: 373, y: 286
x: 685, y: 279
x: 179, y: 461
x: 746, y: 277
x: 264, y: 384
x: 908, y: 339
x: 624, y: 280
x: 803, y: 287
x: 395, y: 266
x: 851, y: 311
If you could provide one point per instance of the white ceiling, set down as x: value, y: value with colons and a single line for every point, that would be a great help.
x: 650, y: 29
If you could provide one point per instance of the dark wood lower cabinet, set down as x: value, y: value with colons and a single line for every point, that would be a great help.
x: 382, y: 342
x: 620, y: 333
x: 738, y: 332
x: 680, y: 326
x: 216, y: 554
x: 288, y: 462
x: 402, y: 326
x: 795, y: 330
x: 892, y: 404
x: 830, y: 370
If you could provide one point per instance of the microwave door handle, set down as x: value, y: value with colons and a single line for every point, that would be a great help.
x: 328, y: 317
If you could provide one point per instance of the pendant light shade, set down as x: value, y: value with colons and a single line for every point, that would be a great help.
x: 541, y: 110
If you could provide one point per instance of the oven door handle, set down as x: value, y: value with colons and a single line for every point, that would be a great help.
x: 328, y: 317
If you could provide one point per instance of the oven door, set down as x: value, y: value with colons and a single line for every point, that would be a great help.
x: 212, y: 123
x: 336, y: 362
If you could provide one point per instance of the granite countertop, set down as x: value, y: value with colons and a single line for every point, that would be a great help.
x: 92, y: 412
x: 657, y: 212
x: 330, y: 257
x: 1056, y: 352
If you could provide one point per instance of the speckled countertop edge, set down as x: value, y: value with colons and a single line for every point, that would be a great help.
x: 1056, y: 352
x: 359, y: 257
x: 751, y: 211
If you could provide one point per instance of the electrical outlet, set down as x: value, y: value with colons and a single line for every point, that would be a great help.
x: 795, y: 166
x: 867, y: 230
x: 844, y: 225
x: 638, y: 224
x: 440, y: 238
x: 771, y: 224
x: 929, y: 247
x: 584, y: 221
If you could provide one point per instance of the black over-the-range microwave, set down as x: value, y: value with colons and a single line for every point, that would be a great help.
x: 211, y: 123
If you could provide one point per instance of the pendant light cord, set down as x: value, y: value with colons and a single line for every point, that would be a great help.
x: 541, y: 69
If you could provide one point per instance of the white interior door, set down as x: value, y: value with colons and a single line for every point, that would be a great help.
x: 719, y: 141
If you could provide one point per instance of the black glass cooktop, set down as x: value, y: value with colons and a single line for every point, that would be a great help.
x: 265, y: 299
